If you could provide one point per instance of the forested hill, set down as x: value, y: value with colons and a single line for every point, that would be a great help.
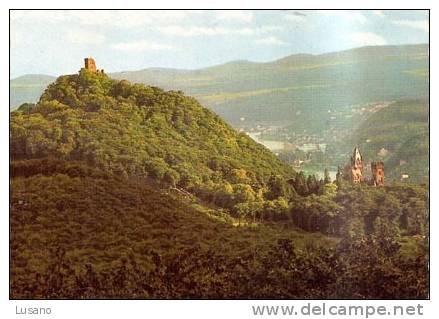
x: 399, y: 135
x: 143, y: 132
x: 128, y: 191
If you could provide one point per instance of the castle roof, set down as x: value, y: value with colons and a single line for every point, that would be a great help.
x: 356, y: 156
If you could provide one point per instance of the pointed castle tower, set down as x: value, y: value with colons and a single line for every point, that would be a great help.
x: 354, y: 171
x: 356, y: 167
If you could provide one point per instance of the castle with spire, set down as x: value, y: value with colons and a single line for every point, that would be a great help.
x: 354, y: 171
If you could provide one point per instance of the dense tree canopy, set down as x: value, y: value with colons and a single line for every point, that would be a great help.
x: 125, y: 190
x: 141, y: 131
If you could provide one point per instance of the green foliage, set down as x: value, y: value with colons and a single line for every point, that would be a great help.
x: 353, y: 210
x: 306, y: 186
x: 116, y: 189
x: 360, y: 269
x: 77, y: 232
x: 78, y: 235
x: 402, y: 130
x: 141, y: 131
x: 371, y: 267
x: 279, y: 187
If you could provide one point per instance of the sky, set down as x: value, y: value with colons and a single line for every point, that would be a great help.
x: 55, y: 42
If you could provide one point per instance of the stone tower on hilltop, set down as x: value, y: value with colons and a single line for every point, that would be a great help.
x: 90, y: 65
x: 377, y: 173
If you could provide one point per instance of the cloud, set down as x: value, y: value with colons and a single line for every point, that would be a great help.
x: 378, y: 13
x: 235, y: 16
x: 351, y: 16
x: 141, y: 45
x: 415, y: 24
x: 130, y: 19
x: 271, y: 40
x: 298, y: 13
x: 17, y: 38
x: 193, y: 31
x: 296, y: 17
x: 80, y: 36
x: 365, y: 39
x: 113, y: 18
x: 37, y: 16
x: 190, y: 31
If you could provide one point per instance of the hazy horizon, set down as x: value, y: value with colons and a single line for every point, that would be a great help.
x: 222, y: 63
x: 43, y: 41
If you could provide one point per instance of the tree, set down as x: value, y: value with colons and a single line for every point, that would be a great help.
x: 243, y: 193
x: 247, y: 209
x: 171, y: 177
x: 339, y: 177
x: 157, y: 168
x: 327, y: 179
x: 278, y: 187
x: 330, y: 190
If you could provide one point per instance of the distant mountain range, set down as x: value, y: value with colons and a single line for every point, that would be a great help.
x: 291, y: 90
x: 28, y: 88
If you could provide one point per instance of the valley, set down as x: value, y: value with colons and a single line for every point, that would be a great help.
x: 304, y: 108
x: 129, y: 191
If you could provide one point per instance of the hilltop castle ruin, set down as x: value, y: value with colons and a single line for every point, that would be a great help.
x: 90, y: 65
